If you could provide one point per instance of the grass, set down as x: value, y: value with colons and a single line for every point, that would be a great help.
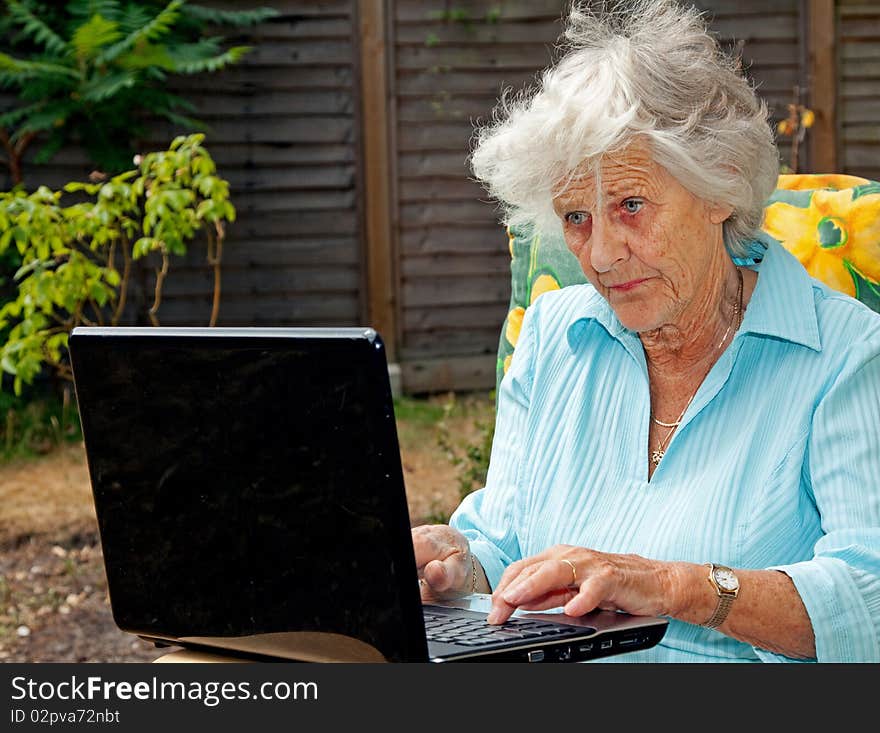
x: 457, y: 429
x: 37, y: 422
x: 421, y: 412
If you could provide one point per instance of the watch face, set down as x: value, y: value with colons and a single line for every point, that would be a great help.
x: 726, y: 579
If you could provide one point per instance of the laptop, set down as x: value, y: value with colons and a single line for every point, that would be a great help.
x: 251, y: 502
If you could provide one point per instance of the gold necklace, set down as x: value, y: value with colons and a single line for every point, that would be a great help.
x: 658, y: 453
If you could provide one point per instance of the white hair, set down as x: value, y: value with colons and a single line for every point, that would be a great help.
x: 643, y: 69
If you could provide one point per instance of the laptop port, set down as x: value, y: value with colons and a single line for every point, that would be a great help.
x: 585, y: 647
x: 606, y: 644
x: 564, y: 654
x: 628, y: 641
x: 536, y: 655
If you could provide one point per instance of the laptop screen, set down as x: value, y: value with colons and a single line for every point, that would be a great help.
x: 248, y: 481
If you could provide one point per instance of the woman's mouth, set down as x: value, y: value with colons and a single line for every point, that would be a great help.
x: 629, y: 285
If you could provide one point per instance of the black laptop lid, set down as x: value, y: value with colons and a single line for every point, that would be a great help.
x: 248, y: 481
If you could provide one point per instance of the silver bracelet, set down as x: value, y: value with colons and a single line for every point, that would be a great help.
x: 473, y: 573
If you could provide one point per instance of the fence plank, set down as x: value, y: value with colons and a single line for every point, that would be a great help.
x: 245, y: 281
x: 461, y: 373
x: 288, y: 310
x: 270, y: 103
x: 485, y: 288
x: 453, y: 239
x: 290, y: 252
x: 438, y: 265
x: 268, y: 130
x: 280, y: 77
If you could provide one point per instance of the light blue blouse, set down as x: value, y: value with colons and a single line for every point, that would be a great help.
x: 776, y: 463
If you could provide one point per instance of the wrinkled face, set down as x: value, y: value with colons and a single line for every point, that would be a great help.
x: 648, y: 245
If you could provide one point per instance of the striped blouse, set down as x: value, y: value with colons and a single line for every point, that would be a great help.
x: 776, y: 463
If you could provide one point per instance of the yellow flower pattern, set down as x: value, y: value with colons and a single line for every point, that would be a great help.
x: 833, y: 236
x: 812, y: 181
x: 514, y: 324
x: 542, y: 284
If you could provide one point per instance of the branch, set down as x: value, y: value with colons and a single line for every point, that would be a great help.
x: 97, y: 311
x: 25, y: 140
x: 123, y: 284
x: 65, y: 371
x: 215, y: 254
x: 13, y: 161
x: 160, y: 278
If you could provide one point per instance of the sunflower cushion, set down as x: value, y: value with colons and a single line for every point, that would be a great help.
x: 830, y: 222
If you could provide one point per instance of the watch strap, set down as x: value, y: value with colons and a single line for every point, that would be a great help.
x: 725, y: 603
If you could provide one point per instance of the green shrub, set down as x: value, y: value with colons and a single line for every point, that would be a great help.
x: 71, y: 273
x: 471, y: 458
x: 94, y: 72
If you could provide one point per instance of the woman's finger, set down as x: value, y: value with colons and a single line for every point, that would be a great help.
x: 516, y: 573
x: 440, y: 576
x: 511, y: 572
x: 429, y: 543
x: 586, y: 599
x: 537, y: 587
x: 554, y: 599
x: 500, y: 612
x: 545, y: 577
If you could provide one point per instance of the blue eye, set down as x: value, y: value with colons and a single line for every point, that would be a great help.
x: 577, y: 218
x: 633, y: 206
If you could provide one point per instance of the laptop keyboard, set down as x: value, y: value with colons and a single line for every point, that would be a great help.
x: 476, y: 632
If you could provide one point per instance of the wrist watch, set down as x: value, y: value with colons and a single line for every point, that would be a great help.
x: 726, y: 585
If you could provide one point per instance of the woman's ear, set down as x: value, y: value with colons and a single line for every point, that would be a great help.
x: 719, y: 213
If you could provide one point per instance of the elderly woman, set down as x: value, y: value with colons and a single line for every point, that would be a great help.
x: 696, y: 433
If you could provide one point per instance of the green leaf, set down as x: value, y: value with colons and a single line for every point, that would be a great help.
x: 146, y: 56
x: 159, y: 26
x: 865, y: 189
x: 213, y: 63
x: 867, y: 291
x: 12, y: 117
x: 102, y: 87
x: 98, y: 293
x: 7, y: 365
x: 89, y: 188
x: 35, y: 28
x: 5, y: 239
x: 25, y: 70
x: 142, y: 247
x: 94, y: 35
x: 42, y: 119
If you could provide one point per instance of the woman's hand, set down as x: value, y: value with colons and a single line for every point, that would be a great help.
x: 444, y: 560
x: 581, y: 580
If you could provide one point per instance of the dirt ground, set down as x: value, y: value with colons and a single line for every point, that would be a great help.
x: 53, y: 593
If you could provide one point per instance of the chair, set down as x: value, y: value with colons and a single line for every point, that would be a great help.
x: 830, y: 222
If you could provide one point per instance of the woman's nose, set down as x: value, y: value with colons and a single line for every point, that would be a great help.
x: 608, y: 246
